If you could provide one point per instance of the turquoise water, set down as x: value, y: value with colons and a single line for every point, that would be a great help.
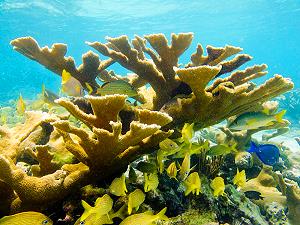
x: 267, y: 30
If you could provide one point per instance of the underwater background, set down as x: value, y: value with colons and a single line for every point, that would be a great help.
x: 267, y: 30
x: 244, y: 160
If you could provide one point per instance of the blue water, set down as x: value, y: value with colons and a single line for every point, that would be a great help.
x: 268, y: 30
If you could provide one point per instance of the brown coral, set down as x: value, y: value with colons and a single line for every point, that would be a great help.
x: 186, y: 97
x: 106, y: 147
x: 102, y: 150
x: 293, y: 202
x: 35, y: 130
x: 54, y: 59
x: 266, y: 183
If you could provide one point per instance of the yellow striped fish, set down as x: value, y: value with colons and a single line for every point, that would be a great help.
x: 26, y: 218
x: 117, y: 87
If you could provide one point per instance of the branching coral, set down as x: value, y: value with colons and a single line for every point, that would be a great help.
x: 54, y: 59
x: 293, y: 200
x: 266, y: 183
x: 102, y: 150
x: 114, y: 133
x: 106, y: 147
x: 187, y: 97
x: 35, y: 130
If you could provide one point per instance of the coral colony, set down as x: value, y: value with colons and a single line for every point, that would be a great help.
x: 142, y: 147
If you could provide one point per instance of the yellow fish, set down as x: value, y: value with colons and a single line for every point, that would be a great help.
x: 146, y: 218
x: 192, y: 184
x: 254, y: 120
x: 135, y: 199
x: 21, y: 106
x: 92, y: 220
x: 192, y: 149
x: 187, y: 133
x: 218, y: 186
x: 221, y: 149
x: 70, y: 86
x: 118, y: 186
x: 26, y: 218
x: 185, y: 167
x: 240, y: 179
x: 103, y: 206
x: 172, y: 170
x: 151, y: 181
x: 166, y: 147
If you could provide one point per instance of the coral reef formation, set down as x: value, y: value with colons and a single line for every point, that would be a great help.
x: 201, y: 103
x: 52, y: 155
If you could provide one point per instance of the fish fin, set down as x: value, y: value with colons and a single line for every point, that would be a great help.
x: 279, y: 116
x: 253, y: 147
x: 161, y: 215
x: 43, y: 89
x: 89, y: 87
x: 104, y: 84
x: 193, y: 167
x: 266, y: 111
x: 65, y: 76
x: 87, y: 210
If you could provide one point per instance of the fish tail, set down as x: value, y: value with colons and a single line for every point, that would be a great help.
x: 87, y: 210
x: 279, y: 116
x: 161, y: 215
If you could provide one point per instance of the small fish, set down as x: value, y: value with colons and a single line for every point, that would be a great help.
x: 146, y: 167
x: 146, y: 218
x: 187, y: 133
x: 221, y: 149
x: 192, y: 184
x: 172, y: 170
x: 26, y: 218
x: 92, y: 220
x: 240, y: 179
x: 254, y: 120
x: 48, y: 96
x: 118, y: 186
x: 151, y: 182
x: 70, y: 86
x: 192, y: 150
x: 185, y: 167
x: 117, y: 87
x: 218, y: 186
x: 135, y: 199
x: 166, y: 147
x: 103, y: 206
x: 267, y: 153
x: 255, y: 195
x: 21, y: 106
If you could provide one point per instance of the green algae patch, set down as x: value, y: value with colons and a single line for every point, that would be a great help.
x: 193, y: 217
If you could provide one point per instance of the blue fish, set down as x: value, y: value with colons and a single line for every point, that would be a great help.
x: 267, y: 153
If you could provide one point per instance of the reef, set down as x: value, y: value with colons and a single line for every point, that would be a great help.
x: 63, y: 158
x: 183, y: 93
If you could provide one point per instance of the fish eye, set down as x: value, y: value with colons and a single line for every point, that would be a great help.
x: 81, y: 223
x: 45, y: 222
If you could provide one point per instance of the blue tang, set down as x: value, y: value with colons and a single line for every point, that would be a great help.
x: 267, y: 153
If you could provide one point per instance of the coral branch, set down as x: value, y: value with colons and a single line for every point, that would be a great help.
x: 54, y: 59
